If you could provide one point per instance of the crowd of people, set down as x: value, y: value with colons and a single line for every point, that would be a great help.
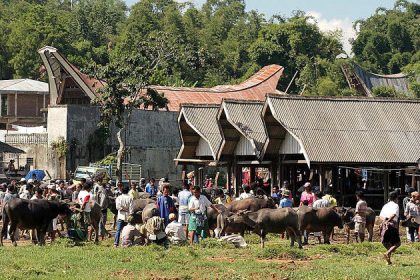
x: 182, y: 214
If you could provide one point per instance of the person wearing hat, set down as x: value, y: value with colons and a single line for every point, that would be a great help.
x: 412, y: 212
x: 307, y: 197
x: 286, y: 202
x: 175, y: 231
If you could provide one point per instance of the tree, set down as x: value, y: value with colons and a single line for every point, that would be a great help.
x: 386, y: 41
x: 127, y: 79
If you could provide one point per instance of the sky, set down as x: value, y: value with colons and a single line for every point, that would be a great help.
x: 329, y: 14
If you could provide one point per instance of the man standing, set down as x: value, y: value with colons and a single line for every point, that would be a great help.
x: 286, y: 202
x: 124, y: 205
x: 151, y: 188
x: 84, y: 199
x: 276, y: 195
x: 360, y: 217
x: 184, y: 214
x: 198, y: 220
x: 390, y: 236
x: 165, y: 204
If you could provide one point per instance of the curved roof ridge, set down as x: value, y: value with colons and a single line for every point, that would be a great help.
x: 258, y: 78
x: 389, y: 76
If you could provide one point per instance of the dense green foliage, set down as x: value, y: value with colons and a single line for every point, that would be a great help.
x: 217, y: 43
x: 390, y: 39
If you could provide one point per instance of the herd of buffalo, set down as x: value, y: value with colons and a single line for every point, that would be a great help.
x: 257, y: 215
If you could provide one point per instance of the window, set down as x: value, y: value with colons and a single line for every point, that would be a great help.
x: 30, y: 161
x: 3, y: 105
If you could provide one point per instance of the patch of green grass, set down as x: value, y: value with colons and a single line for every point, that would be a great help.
x: 210, y: 259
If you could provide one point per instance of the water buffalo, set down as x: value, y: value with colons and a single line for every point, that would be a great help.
x: 141, y: 203
x: 348, y: 214
x: 31, y: 214
x: 250, y: 204
x: 148, y: 212
x: 213, y: 214
x: 316, y: 220
x: 226, y: 224
x: 266, y: 220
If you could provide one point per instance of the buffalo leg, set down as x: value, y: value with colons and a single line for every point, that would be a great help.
x: 262, y: 237
x: 12, y: 231
x: 305, y: 237
x: 370, y: 232
x: 327, y: 234
x: 4, y: 228
x: 292, y: 236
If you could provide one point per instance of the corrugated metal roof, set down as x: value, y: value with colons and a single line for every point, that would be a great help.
x: 246, y: 117
x: 352, y: 130
x: 397, y: 81
x: 203, y: 119
x: 23, y: 85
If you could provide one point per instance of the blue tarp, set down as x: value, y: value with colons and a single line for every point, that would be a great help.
x: 40, y: 174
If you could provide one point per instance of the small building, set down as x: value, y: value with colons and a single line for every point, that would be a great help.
x: 338, y: 144
x: 22, y: 102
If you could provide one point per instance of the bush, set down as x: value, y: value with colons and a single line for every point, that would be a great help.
x: 415, y: 88
x: 348, y: 92
x: 384, y: 91
x: 326, y: 87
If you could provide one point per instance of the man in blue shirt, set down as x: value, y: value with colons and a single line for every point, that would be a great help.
x: 276, y: 195
x: 286, y: 202
x: 151, y: 188
x: 165, y: 204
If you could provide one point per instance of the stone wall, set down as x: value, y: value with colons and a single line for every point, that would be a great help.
x: 152, y: 139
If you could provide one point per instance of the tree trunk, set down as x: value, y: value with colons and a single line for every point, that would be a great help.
x: 120, y: 154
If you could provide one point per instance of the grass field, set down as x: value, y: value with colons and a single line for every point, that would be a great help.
x: 208, y: 260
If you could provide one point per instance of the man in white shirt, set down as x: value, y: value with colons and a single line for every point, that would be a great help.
x: 124, y: 205
x: 175, y: 231
x: 246, y: 194
x: 390, y: 236
x: 84, y: 199
x: 198, y: 219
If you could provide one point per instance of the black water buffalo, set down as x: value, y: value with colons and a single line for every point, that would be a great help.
x: 31, y: 214
x: 316, y: 220
x: 266, y: 221
x: 348, y: 214
x: 250, y: 204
